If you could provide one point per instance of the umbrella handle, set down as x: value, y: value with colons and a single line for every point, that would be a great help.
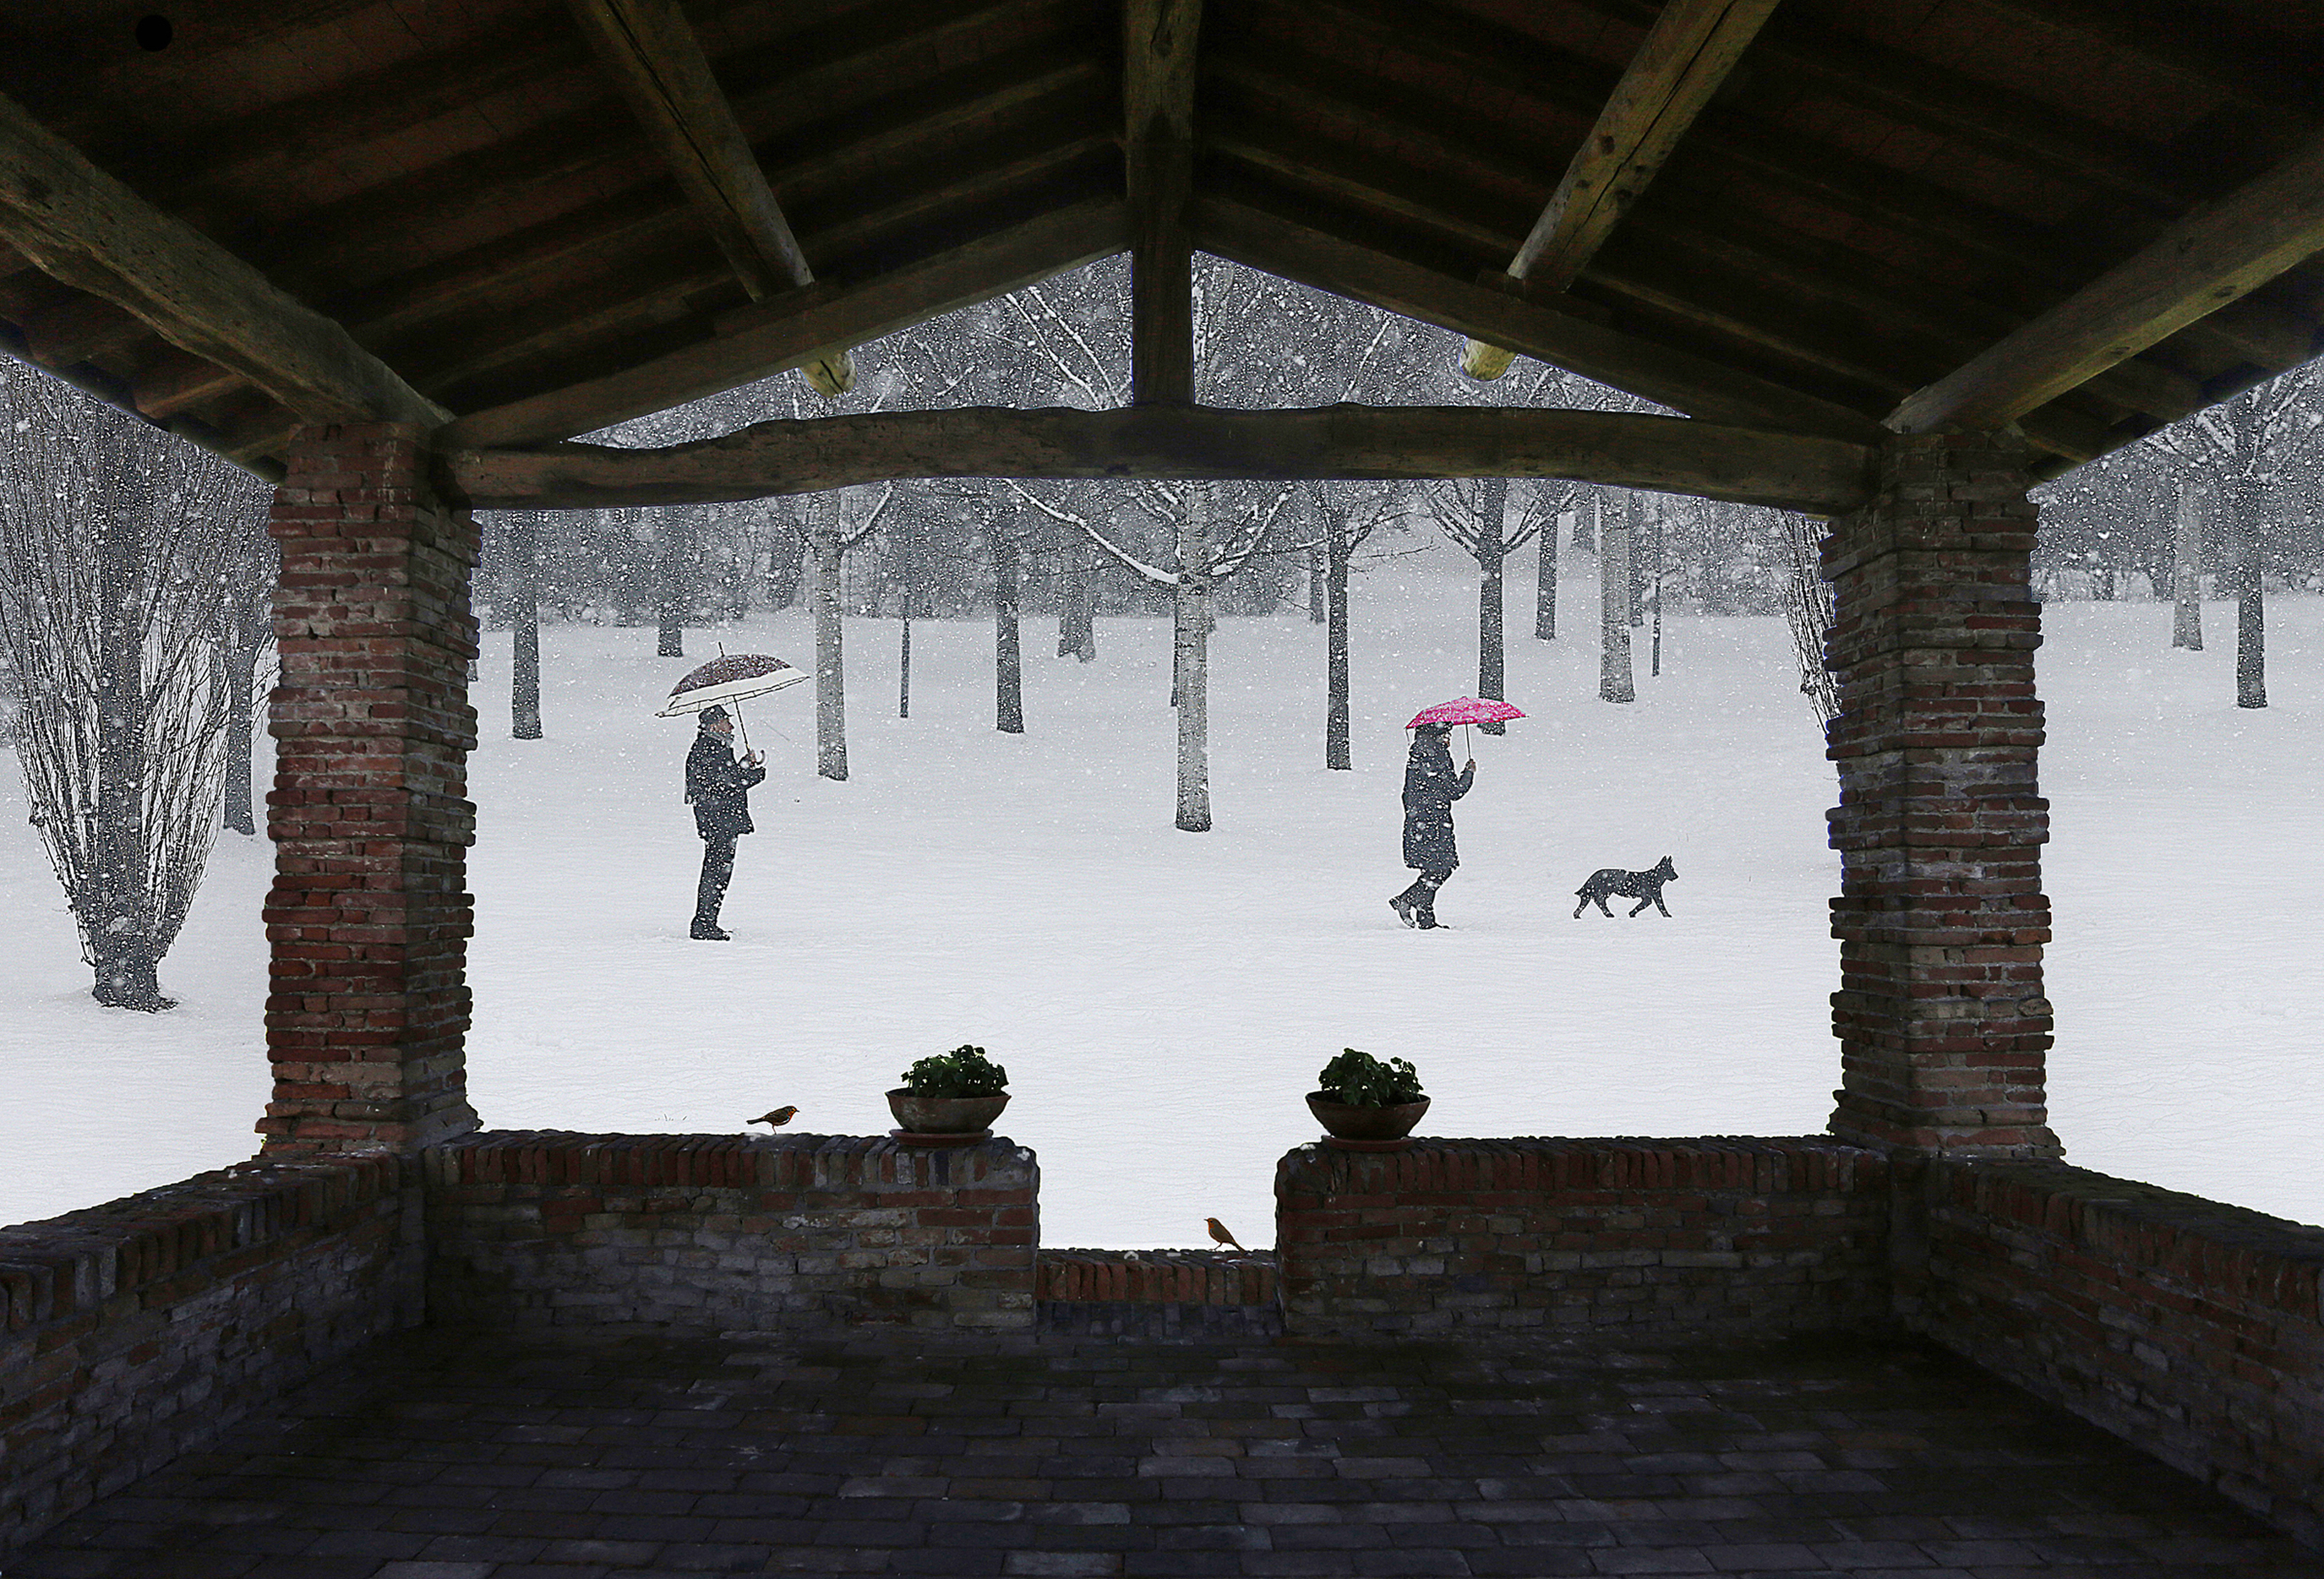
x: 743, y: 727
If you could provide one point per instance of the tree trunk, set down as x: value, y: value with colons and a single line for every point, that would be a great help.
x: 1318, y: 597
x: 1076, y: 605
x: 120, y: 918
x: 1335, y: 652
x: 2251, y: 617
x: 1190, y: 662
x: 241, y: 730
x: 830, y: 671
x: 1545, y: 586
x: 1008, y: 666
x: 670, y: 581
x: 1586, y: 521
x: 1614, y: 682
x: 524, y: 621
x: 1635, y: 515
x: 2187, y: 582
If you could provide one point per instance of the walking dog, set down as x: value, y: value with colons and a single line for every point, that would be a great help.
x: 1646, y: 887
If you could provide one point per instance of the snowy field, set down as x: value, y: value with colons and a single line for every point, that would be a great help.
x: 1162, y: 999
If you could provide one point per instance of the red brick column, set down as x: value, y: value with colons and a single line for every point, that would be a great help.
x: 1941, y: 920
x: 369, y: 917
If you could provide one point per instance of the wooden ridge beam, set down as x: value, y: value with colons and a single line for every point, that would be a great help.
x: 776, y: 336
x: 1684, y: 58
x: 1696, y: 385
x: 2194, y: 268
x: 1668, y: 454
x: 85, y: 228
x: 1158, y: 41
x: 659, y: 65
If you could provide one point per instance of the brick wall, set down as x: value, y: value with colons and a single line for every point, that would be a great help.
x: 1663, y: 1237
x: 131, y: 1331
x: 2188, y: 1327
x: 1159, y: 1293
x: 727, y: 1232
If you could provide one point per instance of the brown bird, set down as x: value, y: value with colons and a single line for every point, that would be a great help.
x: 1219, y: 1234
x: 778, y: 1117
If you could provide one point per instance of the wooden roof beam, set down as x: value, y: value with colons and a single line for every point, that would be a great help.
x: 1667, y: 453
x: 1697, y: 385
x: 87, y: 230
x: 782, y: 332
x: 1685, y: 57
x: 659, y: 65
x: 2197, y: 266
x: 1159, y: 40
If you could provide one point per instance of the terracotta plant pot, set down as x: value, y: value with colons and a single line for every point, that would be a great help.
x: 1365, y: 1128
x: 944, y: 1115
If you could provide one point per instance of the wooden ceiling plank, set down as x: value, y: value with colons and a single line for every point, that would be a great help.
x: 87, y: 230
x: 1696, y: 385
x: 1159, y: 39
x: 660, y: 66
x: 2201, y: 263
x: 786, y: 331
x: 1670, y: 455
x: 1512, y: 62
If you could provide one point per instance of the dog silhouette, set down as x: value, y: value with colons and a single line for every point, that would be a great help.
x: 1646, y: 887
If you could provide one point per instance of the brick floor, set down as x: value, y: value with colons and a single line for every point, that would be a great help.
x: 440, y: 1455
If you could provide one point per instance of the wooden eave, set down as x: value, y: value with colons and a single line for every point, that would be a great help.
x: 1878, y: 195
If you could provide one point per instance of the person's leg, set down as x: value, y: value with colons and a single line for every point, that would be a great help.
x: 1407, y: 904
x: 1424, y: 911
x: 717, y: 871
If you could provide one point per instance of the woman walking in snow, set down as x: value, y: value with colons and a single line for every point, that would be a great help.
x: 1430, y: 788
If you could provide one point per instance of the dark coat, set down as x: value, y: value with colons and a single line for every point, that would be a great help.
x: 1430, y: 788
x: 718, y: 788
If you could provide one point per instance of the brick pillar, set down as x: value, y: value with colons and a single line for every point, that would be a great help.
x: 369, y: 917
x: 1940, y: 1016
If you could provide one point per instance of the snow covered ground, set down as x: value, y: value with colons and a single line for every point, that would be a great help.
x: 1162, y: 999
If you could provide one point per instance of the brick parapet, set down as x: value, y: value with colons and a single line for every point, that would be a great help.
x: 369, y: 916
x: 1157, y: 1277
x: 1710, y: 1235
x: 2188, y: 1327
x: 543, y: 1228
x: 1941, y: 1015
x: 132, y: 1331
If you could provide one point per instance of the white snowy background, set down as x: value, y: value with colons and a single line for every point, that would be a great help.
x: 1163, y: 999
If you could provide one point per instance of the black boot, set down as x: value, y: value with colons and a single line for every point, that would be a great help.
x: 1402, y: 905
x: 708, y: 932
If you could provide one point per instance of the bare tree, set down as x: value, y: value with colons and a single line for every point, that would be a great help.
x: 2187, y: 578
x: 246, y: 636
x: 1808, y: 607
x: 1614, y: 534
x: 838, y: 523
x: 114, y: 543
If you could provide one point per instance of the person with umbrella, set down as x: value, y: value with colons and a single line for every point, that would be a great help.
x: 718, y: 787
x: 1430, y: 788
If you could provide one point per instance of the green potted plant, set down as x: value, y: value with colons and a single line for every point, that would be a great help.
x: 1368, y: 1106
x: 950, y: 1098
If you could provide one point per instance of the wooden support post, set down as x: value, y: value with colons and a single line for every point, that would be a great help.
x: 1941, y: 1015
x: 1686, y: 55
x: 659, y: 64
x: 2196, y: 267
x: 1157, y: 96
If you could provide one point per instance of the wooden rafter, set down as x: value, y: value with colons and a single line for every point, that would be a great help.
x: 1157, y: 102
x: 1684, y: 382
x: 2197, y: 266
x: 1685, y: 57
x: 86, y: 229
x: 787, y: 331
x: 1664, y: 452
x: 659, y: 65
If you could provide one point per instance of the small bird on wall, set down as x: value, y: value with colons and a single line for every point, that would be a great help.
x: 778, y: 1117
x: 1219, y: 1234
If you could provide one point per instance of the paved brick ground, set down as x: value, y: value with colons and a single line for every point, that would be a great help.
x: 440, y: 1456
